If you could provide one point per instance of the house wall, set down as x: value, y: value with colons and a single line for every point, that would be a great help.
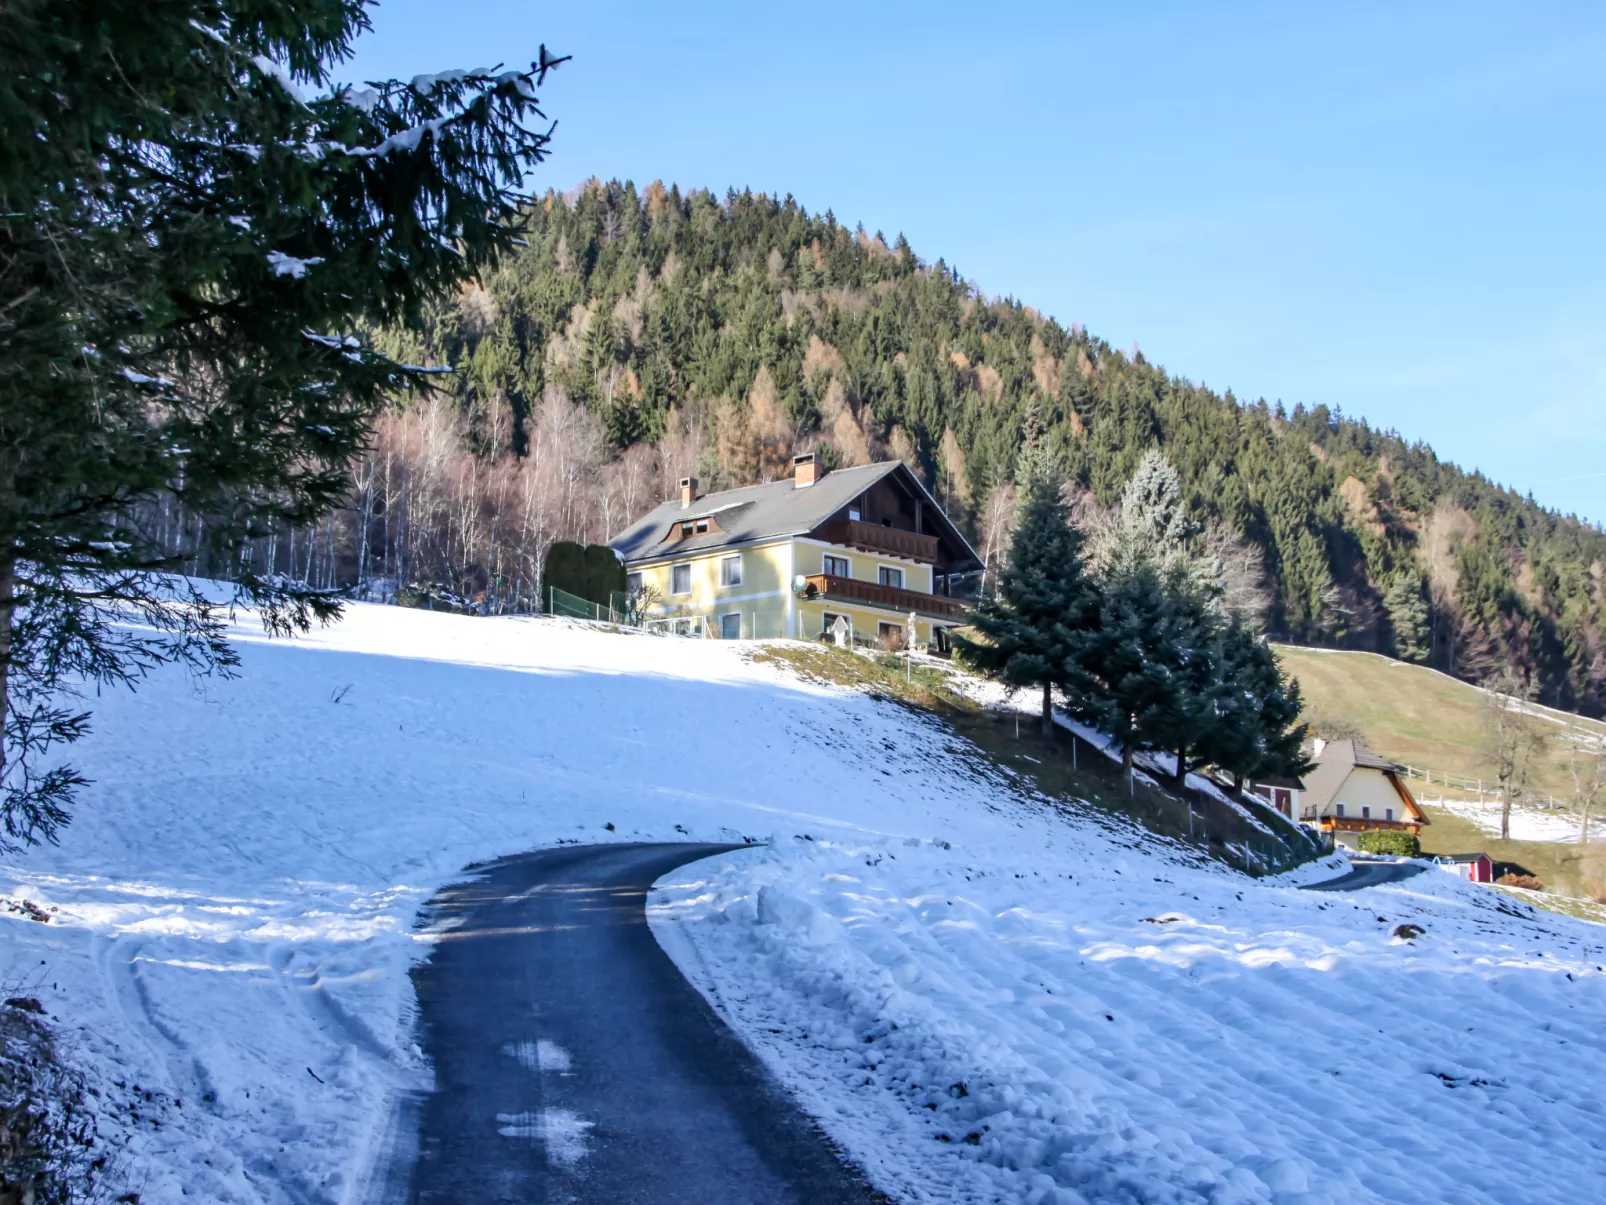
x: 1369, y: 788
x: 866, y: 621
x: 765, y: 599
x: 865, y: 566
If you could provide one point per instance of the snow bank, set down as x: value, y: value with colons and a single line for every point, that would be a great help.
x: 236, y: 909
x: 1060, y: 1020
x: 237, y: 897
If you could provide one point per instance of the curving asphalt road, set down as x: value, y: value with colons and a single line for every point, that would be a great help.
x: 1368, y: 874
x: 573, y: 1063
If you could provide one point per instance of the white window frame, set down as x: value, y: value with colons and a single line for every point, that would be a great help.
x: 833, y: 616
x: 725, y: 577
x: 737, y: 616
x: 1366, y: 811
x: 1338, y: 810
x: 883, y: 570
x: 633, y: 582
x: 1388, y: 813
x: 902, y: 629
x: 673, y: 570
x: 844, y: 561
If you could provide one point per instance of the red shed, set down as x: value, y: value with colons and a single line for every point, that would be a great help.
x: 1476, y: 868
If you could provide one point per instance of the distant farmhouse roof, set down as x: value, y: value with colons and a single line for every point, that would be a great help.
x: 1334, y: 764
x: 1459, y: 858
x: 772, y: 511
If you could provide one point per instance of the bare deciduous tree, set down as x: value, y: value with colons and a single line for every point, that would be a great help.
x: 997, y: 525
x: 1512, y: 740
x: 1586, y: 761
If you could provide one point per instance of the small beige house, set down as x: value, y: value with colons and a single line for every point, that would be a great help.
x: 1352, y: 790
x: 863, y: 553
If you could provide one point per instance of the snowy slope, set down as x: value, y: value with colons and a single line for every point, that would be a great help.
x: 1527, y: 824
x: 236, y: 909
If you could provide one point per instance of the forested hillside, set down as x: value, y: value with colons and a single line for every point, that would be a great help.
x: 643, y: 335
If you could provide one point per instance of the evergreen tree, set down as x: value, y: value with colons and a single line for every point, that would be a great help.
x: 1034, y: 466
x: 1152, y: 506
x: 1408, y: 615
x: 1258, y: 733
x: 1033, y: 632
x: 1124, y: 686
x: 190, y: 249
x: 1184, y: 651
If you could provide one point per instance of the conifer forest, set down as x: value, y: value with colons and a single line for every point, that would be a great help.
x: 641, y: 336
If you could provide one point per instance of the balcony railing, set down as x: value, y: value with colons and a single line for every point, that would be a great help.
x: 872, y: 537
x: 891, y: 598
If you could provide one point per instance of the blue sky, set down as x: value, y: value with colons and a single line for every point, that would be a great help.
x: 1395, y: 209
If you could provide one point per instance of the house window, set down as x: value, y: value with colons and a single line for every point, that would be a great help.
x: 1388, y: 813
x: 680, y: 579
x: 889, y: 635
x: 1366, y: 812
x: 837, y: 566
x: 633, y: 584
x: 854, y: 514
x: 1338, y: 810
x: 891, y: 576
x: 730, y: 572
x: 730, y: 626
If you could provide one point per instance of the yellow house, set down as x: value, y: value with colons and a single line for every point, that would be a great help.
x: 1352, y: 790
x: 853, y: 552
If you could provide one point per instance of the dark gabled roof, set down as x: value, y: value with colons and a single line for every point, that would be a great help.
x: 766, y: 512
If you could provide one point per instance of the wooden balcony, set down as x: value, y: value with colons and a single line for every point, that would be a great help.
x: 831, y: 588
x: 872, y: 537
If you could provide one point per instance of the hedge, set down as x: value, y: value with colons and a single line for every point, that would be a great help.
x: 1381, y: 841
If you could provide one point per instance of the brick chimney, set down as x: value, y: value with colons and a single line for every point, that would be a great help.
x: 806, y: 470
x: 688, y: 490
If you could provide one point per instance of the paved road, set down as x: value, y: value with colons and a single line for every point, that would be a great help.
x: 573, y: 1063
x: 1369, y: 874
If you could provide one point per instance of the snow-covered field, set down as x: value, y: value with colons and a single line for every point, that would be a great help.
x: 1527, y: 824
x: 984, y: 999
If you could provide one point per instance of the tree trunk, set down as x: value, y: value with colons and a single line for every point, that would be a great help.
x: 1505, y: 811
x: 1048, y: 708
x: 1181, y: 778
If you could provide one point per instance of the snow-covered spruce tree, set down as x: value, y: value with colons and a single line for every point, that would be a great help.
x: 190, y: 250
x: 1031, y: 632
x: 1176, y: 666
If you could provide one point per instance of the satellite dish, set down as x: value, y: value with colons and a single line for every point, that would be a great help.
x: 800, y: 585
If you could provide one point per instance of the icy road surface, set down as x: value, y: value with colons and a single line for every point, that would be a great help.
x: 574, y: 1063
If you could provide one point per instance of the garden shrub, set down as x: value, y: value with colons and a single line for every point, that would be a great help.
x: 1404, y: 845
